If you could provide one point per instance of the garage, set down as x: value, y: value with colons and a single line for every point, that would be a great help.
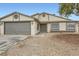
x: 17, y: 28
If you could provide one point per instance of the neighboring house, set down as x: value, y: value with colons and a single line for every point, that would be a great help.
x: 19, y: 24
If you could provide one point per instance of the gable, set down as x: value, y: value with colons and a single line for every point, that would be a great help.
x: 56, y: 18
x: 20, y: 17
x: 49, y: 17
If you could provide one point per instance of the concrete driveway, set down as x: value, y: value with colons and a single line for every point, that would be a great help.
x: 19, y: 37
x: 7, y: 41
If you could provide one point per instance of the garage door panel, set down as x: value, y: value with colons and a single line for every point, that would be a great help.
x: 18, y: 28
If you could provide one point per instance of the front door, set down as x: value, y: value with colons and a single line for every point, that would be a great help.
x: 43, y: 28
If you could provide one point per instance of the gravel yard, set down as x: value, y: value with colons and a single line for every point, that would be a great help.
x: 49, y: 44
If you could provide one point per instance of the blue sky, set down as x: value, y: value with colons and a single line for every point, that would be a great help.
x: 31, y: 8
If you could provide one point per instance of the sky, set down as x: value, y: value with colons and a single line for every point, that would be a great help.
x: 31, y: 8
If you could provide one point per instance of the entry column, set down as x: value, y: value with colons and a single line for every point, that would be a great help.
x: 48, y: 27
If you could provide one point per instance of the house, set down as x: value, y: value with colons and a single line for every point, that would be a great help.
x: 19, y: 24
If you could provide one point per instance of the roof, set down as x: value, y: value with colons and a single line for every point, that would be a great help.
x: 34, y: 15
x: 51, y: 15
x: 18, y: 13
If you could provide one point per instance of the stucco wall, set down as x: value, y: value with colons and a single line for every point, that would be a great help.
x: 77, y: 27
x: 43, y: 18
x: 36, y: 16
x: 62, y: 26
x: 36, y: 25
x: 34, y: 28
x: 25, y: 18
x: 20, y: 18
x: 53, y: 18
x: 2, y: 28
x: 49, y: 18
x: 49, y: 27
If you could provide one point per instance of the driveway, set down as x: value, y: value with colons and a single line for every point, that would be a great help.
x: 7, y: 41
x: 9, y: 38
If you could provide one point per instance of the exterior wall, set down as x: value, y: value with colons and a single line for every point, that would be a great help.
x: 10, y: 18
x: 20, y: 18
x: 34, y: 28
x: 37, y: 30
x: 53, y: 18
x: 49, y: 27
x: 77, y: 28
x: 36, y: 16
x: 62, y: 26
x: 43, y: 18
x: 2, y: 28
x: 25, y: 18
x: 48, y: 18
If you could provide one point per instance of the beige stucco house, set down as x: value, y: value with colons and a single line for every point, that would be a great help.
x: 19, y: 24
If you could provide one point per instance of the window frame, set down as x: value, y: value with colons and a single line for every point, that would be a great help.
x: 56, y: 27
x: 69, y: 27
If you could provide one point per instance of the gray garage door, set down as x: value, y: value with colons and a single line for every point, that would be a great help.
x: 20, y: 28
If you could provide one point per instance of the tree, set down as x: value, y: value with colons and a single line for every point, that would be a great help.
x: 66, y: 9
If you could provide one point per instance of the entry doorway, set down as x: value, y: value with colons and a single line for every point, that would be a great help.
x: 43, y: 28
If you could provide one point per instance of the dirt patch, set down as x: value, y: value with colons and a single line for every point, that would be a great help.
x: 68, y: 38
x: 47, y: 45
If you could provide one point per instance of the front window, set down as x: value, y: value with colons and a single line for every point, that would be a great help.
x: 70, y: 27
x: 55, y: 27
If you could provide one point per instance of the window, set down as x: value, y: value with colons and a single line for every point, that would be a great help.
x: 55, y: 27
x: 70, y: 27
